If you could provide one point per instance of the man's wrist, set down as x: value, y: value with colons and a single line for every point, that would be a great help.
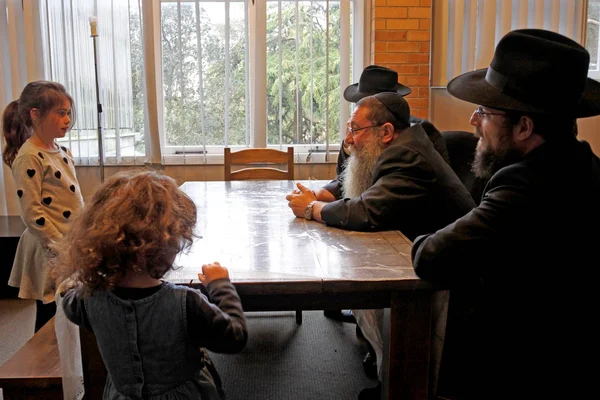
x: 308, y: 211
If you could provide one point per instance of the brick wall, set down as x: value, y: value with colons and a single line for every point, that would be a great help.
x: 401, y: 40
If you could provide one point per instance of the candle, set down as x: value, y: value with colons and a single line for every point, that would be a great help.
x: 94, y: 26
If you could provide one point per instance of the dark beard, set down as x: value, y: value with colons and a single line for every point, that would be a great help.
x: 487, y: 162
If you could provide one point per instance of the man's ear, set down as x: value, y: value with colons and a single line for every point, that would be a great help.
x: 387, y: 132
x: 524, y: 129
x: 34, y: 113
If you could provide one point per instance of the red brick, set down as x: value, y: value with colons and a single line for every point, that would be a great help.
x: 419, y: 12
x: 402, y: 47
x: 417, y: 81
x: 407, y: 69
x: 380, y: 47
x: 420, y: 113
x: 391, y: 12
x: 384, y: 58
x: 380, y: 24
x: 409, y: 24
x: 403, y: 2
x: 418, y: 58
x: 418, y: 36
x: 390, y: 36
x: 424, y: 47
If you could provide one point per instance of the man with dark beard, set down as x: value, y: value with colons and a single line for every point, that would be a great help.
x: 519, y: 319
x: 394, y: 179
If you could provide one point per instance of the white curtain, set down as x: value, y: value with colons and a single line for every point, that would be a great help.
x: 466, y: 31
x: 20, y: 55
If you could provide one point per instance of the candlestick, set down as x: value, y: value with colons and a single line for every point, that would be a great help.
x: 94, y: 36
x: 93, y: 26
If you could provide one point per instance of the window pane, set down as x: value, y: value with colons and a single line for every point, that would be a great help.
x: 303, y: 72
x: 138, y: 97
x: 593, y: 19
x: 70, y: 49
x: 204, y: 73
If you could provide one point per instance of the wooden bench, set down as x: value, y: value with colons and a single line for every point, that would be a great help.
x: 33, y: 372
x: 11, y: 228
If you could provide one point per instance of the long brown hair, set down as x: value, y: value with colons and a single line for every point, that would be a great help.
x: 17, y: 124
x: 135, y: 222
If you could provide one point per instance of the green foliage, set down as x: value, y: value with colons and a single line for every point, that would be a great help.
x: 300, y: 41
x: 195, y: 103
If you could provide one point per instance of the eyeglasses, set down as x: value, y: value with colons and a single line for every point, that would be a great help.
x: 482, y: 113
x: 352, y: 131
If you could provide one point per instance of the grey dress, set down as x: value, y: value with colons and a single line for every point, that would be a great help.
x: 146, y: 346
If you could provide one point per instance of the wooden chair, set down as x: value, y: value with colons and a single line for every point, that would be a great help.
x: 257, y: 161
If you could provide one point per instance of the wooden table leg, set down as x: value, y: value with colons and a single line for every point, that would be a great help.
x: 407, y: 375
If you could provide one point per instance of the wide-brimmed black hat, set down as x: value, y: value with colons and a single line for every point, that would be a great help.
x: 534, y: 71
x: 375, y: 79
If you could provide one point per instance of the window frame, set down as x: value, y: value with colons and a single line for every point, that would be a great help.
x: 304, y: 153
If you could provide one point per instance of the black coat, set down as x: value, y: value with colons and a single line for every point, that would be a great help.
x: 414, y: 190
x: 520, y: 272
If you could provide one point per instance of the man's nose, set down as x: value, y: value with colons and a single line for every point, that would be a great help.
x: 349, y: 138
x: 475, y: 118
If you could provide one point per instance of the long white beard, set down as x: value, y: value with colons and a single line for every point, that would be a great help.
x: 357, y: 177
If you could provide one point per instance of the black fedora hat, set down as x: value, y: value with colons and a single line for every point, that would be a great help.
x: 375, y: 79
x: 534, y: 71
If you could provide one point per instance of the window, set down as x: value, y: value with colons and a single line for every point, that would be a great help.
x: 211, y: 55
x: 180, y: 79
x: 466, y: 32
x: 592, y: 42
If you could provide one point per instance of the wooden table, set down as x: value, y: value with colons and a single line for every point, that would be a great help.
x: 280, y: 262
x: 33, y: 372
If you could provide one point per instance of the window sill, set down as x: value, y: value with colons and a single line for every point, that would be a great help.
x: 201, y: 159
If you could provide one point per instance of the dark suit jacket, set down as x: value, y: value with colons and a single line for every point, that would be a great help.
x: 414, y: 190
x: 434, y: 135
x: 522, y: 299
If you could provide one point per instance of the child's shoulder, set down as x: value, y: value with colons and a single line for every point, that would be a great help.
x: 29, y: 150
x: 179, y: 288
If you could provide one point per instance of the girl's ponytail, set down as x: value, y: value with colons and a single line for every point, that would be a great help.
x: 15, y: 132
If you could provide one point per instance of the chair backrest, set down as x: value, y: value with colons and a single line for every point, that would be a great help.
x: 260, y: 158
x: 461, y: 151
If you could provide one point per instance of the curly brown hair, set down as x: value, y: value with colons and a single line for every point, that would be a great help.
x: 135, y: 222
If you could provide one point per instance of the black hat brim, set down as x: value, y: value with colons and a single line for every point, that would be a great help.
x: 352, y: 94
x: 473, y: 88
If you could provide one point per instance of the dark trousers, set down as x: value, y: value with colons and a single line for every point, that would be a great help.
x: 43, y: 313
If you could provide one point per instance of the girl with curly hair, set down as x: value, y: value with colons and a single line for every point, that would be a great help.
x: 47, y: 186
x: 151, y: 333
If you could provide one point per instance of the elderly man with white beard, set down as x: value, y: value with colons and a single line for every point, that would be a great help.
x: 394, y: 179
